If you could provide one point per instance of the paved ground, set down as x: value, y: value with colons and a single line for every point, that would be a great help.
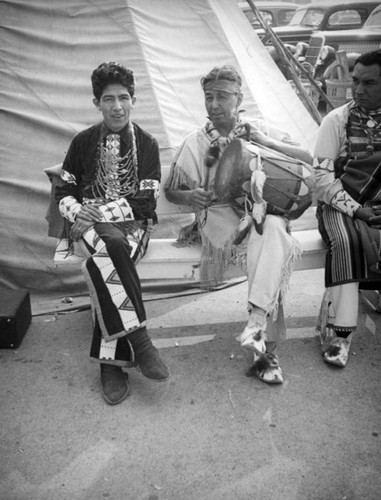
x: 210, y: 432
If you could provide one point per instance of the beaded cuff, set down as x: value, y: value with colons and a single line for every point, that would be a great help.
x: 69, y: 208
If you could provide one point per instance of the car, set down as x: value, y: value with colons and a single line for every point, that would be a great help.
x: 324, y: 15
x: 365, y: 39
x: 274, y: 13
x: 323, y: 46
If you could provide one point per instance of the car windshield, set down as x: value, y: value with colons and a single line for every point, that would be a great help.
x: 374, y: 20
x: 308, y: 17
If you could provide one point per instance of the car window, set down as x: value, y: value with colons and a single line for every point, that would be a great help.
x: 298, y: 16
x: 312, y: 18
x: 284, y: 17
x: 342, y: 17
x: 251, y: 17
x: 374, y: 19
x: 267, y: 16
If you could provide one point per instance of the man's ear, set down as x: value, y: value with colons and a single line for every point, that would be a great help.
x: 239, y: 99
x: 96, y: 103
x: 133, y: 100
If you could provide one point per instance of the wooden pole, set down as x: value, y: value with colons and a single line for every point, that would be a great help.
x: 286, y: 56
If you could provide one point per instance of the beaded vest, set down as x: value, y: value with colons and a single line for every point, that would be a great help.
x: 363, y: 132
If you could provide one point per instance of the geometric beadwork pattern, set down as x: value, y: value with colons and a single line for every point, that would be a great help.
x: 108, y: 349
x: 324, y: 164
x: 340, y: 199
x: 112, y: 281
x: 117, y: 211
x: 94, y: 241
x: 343, y: 202
x: 113, y: 278
x: 150, y: 185
x: 116, y: 290
x: 69, y: 207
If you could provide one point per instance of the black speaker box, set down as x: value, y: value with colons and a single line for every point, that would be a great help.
x: 15, y: 317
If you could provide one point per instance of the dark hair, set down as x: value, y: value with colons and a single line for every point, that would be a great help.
x: 225, y: 72
x: 370, y: 58
x: 112, y: 72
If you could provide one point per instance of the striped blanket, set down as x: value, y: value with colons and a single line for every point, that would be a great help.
x: 354, y: 247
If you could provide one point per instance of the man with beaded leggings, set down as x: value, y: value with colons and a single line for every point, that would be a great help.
x: 110, y: 183
x: 347, y: 162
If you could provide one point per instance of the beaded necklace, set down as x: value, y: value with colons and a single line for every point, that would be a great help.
x: 218, y: 143
x: 116, y: 176
x: 216, y: 140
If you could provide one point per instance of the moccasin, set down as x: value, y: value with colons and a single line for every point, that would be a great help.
x: 269, y: 370
x: 338, y: 351
x: 252, y: 340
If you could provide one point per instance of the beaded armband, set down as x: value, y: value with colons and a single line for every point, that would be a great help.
x: 150, y: 185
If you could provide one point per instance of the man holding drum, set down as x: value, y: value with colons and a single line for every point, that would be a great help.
x: 348, y: 187
x: 269, y: 249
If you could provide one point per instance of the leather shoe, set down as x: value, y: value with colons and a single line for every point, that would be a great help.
x: 115, y: 387
x: 151, y: 365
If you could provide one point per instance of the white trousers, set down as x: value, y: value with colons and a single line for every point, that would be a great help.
x: 270, y: 259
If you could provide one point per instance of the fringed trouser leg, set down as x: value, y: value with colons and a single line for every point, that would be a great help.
x: 270, y: 259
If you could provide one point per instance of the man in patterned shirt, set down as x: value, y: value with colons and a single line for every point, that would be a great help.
x: 110, y: 182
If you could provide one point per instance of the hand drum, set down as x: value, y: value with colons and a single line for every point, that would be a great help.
x: 289, y: 182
